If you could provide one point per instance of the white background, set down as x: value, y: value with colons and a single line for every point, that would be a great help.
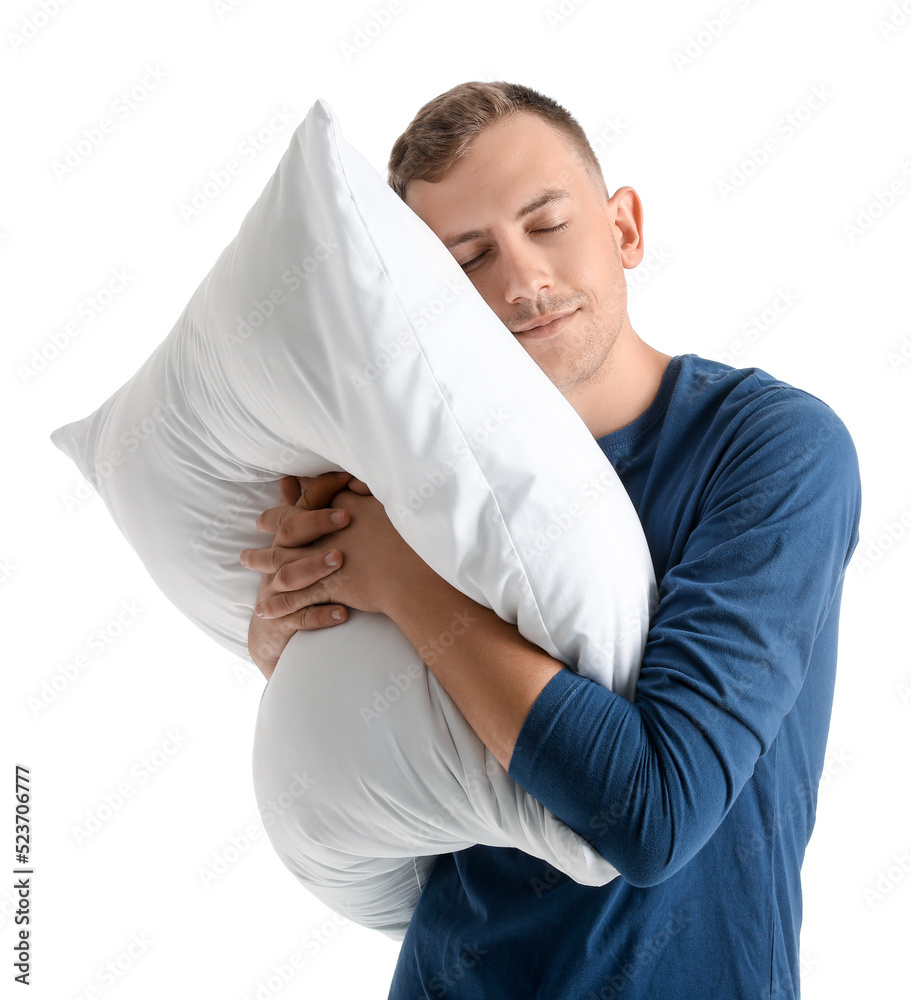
x: 675, y: 109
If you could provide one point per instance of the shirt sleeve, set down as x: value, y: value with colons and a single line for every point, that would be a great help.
x: 648, y: 782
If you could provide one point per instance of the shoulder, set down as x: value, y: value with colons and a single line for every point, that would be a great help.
x: 772, y: 457
x: 754, y: 415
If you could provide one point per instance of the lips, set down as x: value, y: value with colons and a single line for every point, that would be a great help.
x: 546, y: 326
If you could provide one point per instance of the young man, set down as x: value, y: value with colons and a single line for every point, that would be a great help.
x: 702, y: 793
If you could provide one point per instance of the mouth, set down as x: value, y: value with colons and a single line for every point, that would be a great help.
x: 546, y: 327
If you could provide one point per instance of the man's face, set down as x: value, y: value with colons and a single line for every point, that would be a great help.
x: 523, y: 217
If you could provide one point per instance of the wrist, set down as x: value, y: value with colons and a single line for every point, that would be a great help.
x: 416, y: 584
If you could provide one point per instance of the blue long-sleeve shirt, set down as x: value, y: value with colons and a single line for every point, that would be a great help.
x: 701, y: 792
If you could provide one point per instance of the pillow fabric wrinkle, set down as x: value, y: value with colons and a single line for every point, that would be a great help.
x: 305, y: 350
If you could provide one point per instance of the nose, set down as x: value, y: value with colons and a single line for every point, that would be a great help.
x: 526, y: 270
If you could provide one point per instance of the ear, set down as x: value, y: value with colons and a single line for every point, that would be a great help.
x: 626, y: 208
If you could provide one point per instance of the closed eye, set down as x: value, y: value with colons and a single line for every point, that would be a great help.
x: 471, y: 264
x: 468, y: 265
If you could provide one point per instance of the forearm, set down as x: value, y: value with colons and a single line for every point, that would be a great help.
x: 643, y: 786
x: 489, y: 670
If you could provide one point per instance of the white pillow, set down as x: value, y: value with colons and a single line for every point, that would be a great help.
x: 337, y: 332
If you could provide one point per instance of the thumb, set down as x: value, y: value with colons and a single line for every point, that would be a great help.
x: 359, y: 486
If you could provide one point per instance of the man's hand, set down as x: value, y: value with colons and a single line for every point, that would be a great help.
x: 490, y: 671
x: 377, y: 564
x: 302, y: 514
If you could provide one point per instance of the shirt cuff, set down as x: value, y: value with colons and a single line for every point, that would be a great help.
x: 540, y: 723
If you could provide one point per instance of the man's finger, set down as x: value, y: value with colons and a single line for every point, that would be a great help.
x: 317, y: 492
x: 290, y: 601
x: 359, y: 486
x: 292, y: 569
x: 300, y: 527
x: 308, y: 619
x: 263, y: 560
x: 290, y: 491
x: 272, y: 519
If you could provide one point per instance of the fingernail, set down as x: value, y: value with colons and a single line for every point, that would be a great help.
x: 337, y: 517
x: 259, y: 610
x: 243, y: 557
x: 330, y: 560
x: 337, y: 615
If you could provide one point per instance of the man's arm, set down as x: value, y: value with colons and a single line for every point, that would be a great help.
x: 751, y: 602
x: 731, y: 640
x: 492, y: 673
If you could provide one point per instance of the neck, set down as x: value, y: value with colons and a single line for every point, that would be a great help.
x: 624, y: 386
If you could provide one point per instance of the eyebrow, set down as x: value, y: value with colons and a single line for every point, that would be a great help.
x: 545, y: 198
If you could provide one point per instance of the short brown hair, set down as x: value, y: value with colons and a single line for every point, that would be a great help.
x: 443, y: 129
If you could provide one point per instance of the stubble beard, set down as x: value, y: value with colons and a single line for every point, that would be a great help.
x: 584, y: 360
